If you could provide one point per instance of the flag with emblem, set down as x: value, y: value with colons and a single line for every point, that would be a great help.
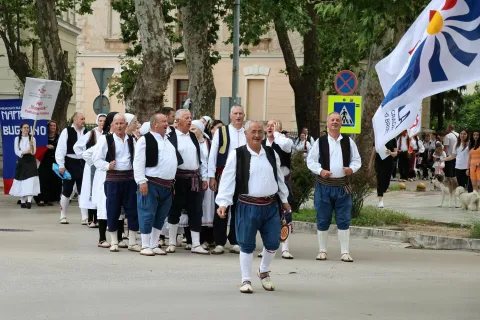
x: 439, y: 52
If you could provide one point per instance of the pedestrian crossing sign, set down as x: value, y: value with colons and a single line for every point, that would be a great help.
x: 350, y: 110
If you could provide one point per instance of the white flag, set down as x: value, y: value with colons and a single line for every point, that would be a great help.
x: 439, y: 52
x: 39, y: 98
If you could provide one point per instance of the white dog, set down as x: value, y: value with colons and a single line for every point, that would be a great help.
x: 448, y: 186
x: 469, y: 201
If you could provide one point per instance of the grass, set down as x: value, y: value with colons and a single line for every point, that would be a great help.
x: 475, y: 233
x: 372, y: 216
x: 395, y: 187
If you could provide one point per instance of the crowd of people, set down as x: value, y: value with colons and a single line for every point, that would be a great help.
x: 452, y: 155
x: 174, y: 176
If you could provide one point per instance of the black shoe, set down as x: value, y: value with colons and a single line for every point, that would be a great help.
x: 19, y: 202
x: 23, y: 205
x: 29, y: 205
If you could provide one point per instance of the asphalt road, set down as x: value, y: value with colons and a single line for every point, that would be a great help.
x: 57, y: 272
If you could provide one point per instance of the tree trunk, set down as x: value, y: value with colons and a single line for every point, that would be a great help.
x: 157, y: 60
x: 304, y: 85
x: 55, y: 59
x: 201, y: 88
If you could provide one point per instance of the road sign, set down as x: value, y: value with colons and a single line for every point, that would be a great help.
x: 346, y: 82
x: 102, y: 76
x: 350, y: 110
x: 101, y: 104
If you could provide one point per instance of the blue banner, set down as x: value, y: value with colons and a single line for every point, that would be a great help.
x: 10, y: 121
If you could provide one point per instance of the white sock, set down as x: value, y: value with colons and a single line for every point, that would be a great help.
x: 246, y: 260
x: 84, y: 213
x: 172, y: 234
x: 322, y: 240
x: 29, y: 198
x: 195, y: 238
x: 146, y: 240
x: 267, y: 258
x: 22, y: 200
x: 285, y: 244
x: 154, y: 238
x: 132, y: 237
x: 344, y: 238
x: 113, y: 236
x: 64, y: 201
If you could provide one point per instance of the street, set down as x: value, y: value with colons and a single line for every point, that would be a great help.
x: 57, y: 272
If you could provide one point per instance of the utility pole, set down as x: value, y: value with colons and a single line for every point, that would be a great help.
x: 236, y: 52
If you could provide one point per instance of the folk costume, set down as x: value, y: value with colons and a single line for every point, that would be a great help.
x: 120, y: 187
x: 50, y: 183
x: 225, y: 141
x: 155, y: 163
x: 191, y: 171
x: 283, y: 147
x: 73, y: 163
x: 256, y: 180
x: 26, y: 183
x: 84, y: 147
x: 333, y: 193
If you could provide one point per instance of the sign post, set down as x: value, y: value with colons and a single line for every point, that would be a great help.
x: 350, y: 110
x: 101, y: 104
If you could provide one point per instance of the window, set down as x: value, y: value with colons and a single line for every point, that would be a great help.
x: 182, y: 93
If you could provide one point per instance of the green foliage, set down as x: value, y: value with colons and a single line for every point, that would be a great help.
x: 302, y: 181
x: 475, y: 232
x: 467, y: 111
x: 362, y: 188
x: 122, y: 86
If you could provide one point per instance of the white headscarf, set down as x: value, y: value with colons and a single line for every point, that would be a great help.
x: 129, y: 117
x: 199, y: 124
x: 207, y: 119
x: 145, y: 128
x: 100, y: 115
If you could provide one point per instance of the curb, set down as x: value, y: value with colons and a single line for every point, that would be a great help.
x: 417, y: 241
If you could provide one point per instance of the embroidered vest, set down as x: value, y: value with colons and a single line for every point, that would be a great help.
x: 151, y: 151
x: 324, y: 152
x: 223, y: 146
x: 72, y: 139
x: 173, y: 139
x: 285, y: 157
x: 111, y: 148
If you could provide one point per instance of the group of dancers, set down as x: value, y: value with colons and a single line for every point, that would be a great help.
x: 174, y: 176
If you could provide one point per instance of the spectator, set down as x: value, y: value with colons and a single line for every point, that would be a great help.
x: 449, y: 142
x: 307, y: 137
x: 303, y: 145
x: 474, y: 160
x: 460, y: 154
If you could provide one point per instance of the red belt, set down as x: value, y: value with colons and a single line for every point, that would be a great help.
x: 258, y: 201
x: 159, y: 182
x: 119, y: 175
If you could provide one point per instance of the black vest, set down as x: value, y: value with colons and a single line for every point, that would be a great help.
x: 324, y: 152
x: 223, y: 146
x: 285, y: 157
x: 151, y: 151
x: 111, y: 148
x: 92, y: 140
x: 72, y: 139
x: 243, y: 168
x: 173, y: 139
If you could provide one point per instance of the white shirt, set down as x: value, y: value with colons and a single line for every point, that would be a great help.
x: 167, y: 160
x: 462, y: 157
x: 122, y: 154
x: 336, y: 158
x: 261, y: 183
x: 421, y: 147
x: 402, y: 142
x: 81, y: 145
x: 24, y: 146
x: 285, y: 144
x: 301, y: 146
x: 187, y: 150
x: 450, y: 140
x: 61, y: 151
x: 237, y: 139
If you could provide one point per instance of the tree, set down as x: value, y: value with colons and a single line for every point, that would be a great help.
x: 38, y: 21
x: 157, y: 59
x: 446, y: 106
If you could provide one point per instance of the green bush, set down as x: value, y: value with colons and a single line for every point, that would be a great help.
x: 362, y: 188
x: 302, y: 181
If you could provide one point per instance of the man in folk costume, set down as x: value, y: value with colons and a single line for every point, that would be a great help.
x: 154, y: 167
x: 68, y: 160
x: 84, y: 148
x: 283, y: 147
x: 225, y: 141
x: 115, y: 155
x: 333, y: 159
x: 253, y: 175
x: 190, y: 179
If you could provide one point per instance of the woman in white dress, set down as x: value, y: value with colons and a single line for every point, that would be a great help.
x: 26, y: 183
x: 84, y: 147
x: 206, y: 236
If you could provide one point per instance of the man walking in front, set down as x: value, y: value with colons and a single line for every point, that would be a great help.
x: 225, y: 141
x: 333, y: 159
x: 154, y: 166
x: 253, y: 175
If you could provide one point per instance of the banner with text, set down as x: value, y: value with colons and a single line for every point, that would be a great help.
x: 10, y: 121
x: 39, y: 98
